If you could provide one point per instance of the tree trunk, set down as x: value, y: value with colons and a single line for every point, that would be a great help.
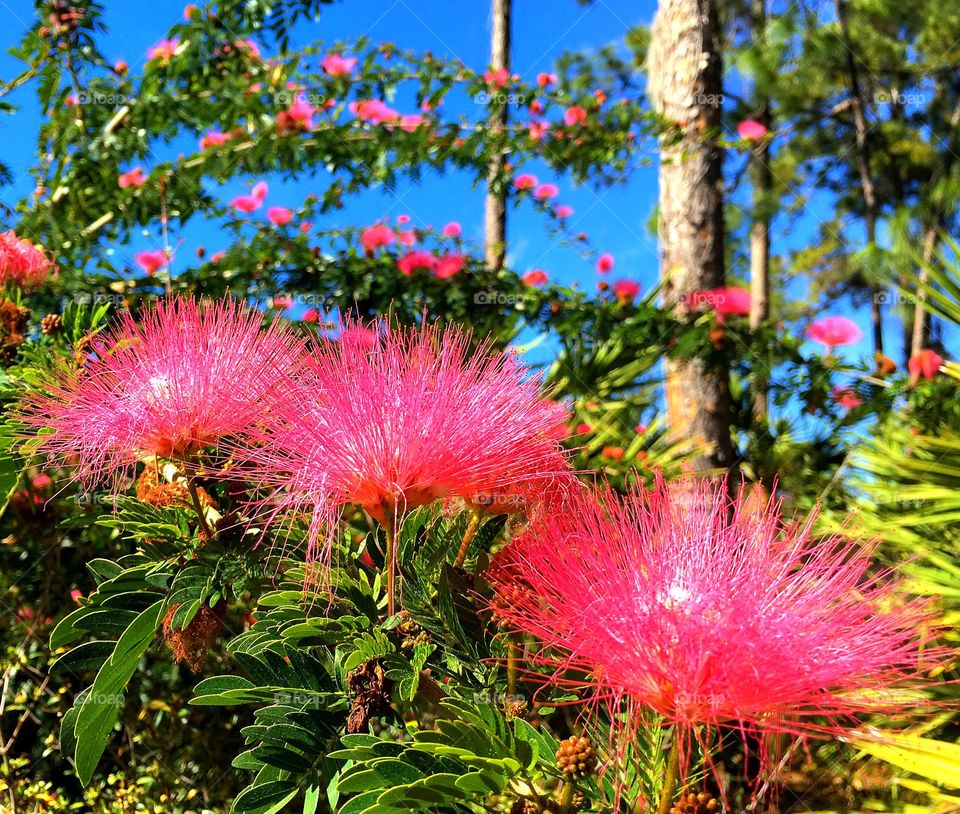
x: 762, y: 179
x: 495, y: 205
x: 685, y: 85
x: 921, y: 320
x: 863, y: 167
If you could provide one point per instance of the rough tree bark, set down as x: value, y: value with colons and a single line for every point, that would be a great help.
x: 920, y: 336
x: 495, y: 205
x: 685, y: 86
x: 762, y: 179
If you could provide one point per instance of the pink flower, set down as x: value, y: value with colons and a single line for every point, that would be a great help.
x: 545, y: 191
x: 376, y: 237
x: 546, y: 79
x: 535, y: 277
x: 499, y: 77
x: 279, y: 215
x: 449, y: 265
x: 412, y: 261
x: 248, y: 47
x: 300, y: 114
x: 253, y: 201
x: 834, y: 331
x: 164, y: 50
x: 188, y: 375
x: 725, y: 301
x: 152, y: 261
x: 421, y: 414
x: 926, y: 363
x: 846, y: 397
x: 120, y: 67
x: 605, y: 263
x: 574, y: 115
x: 403, y: 220
x: 525, y: 181
x: 563, y: 211
x: 374, y: 111
x: 626, y: 290
x: 712, y: 613
x: 212, y: 138
x: 131, y: 178
x: 751, y: 130
x: 452, y: 229
x: 407, y: 238
x: 337, y: 65
x: 538, y: 130
x: 411, y: 122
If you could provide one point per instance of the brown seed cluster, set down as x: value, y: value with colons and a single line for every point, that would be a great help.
x: 370, y: 689
x: 13, y: 326
x: 190, y: 645
x: 691, y: 803
x: 525, y: 807
x: 576, y: 758
x: 51, y: 324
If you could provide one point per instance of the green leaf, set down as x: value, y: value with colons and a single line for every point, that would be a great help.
x: 265, y: 798
x: 101, y: 707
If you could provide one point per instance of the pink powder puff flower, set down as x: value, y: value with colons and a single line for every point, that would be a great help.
x: 279, y: 215
x: 751, y: 130
x: 546, y: 79
x: 926, y: 363
x: 421, y: 414
x: 453, y: 229
x: 563, y: 211
x: 538, y: 130
x: 337, y: 65
x: 525, y: 181
x: 212, y: 138
x: 131, y: 178
x: 152, y: 261
x: 373, y: 111
x: 834, y: 331
x: 449, y: 265
x: 407, y: 238
x: 376, y: 237
x: 164, y: 50
x: 248, y: 47
x: 713, y: 612
x: 301, y: 113
x: 189, y: 374
x: 414, y: 260
x: 23, y: 264
x: 725, y: 301
x: 626, y: 290
x: 546, y: 191
x: 846, y: 397
x: 605, y: 263
x: 535, y: 278
x: 403, y: 220
x: 253, y: 201
x: 574, y: 115
x: 499, y: 77
x: 411, y: 122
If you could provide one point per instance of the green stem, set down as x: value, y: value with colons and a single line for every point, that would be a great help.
x: 468, y: 536
x: 513, y: 660
x: 198, y: 506
x: 670, y: 778
x: 564, y: 796
x: 388, y: 563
